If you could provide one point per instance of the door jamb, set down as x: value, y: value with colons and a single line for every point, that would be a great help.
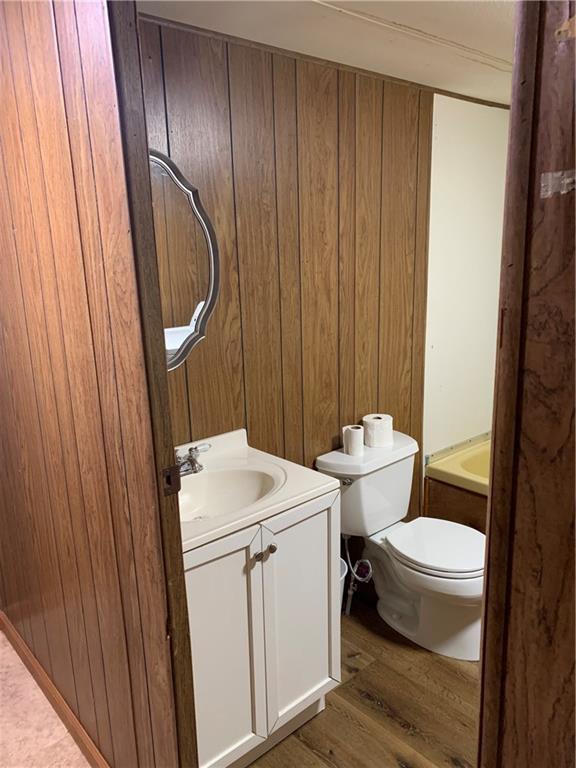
x: 124, y: 36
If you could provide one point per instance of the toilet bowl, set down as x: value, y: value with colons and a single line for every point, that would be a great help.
x: 428, y: 573
x: 429, y: 579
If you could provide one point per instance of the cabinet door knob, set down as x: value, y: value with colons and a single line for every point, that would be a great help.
x: 259, y: 556
x: 273, y: 548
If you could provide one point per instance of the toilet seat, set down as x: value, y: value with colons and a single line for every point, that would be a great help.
x: 456, y: 575
x: 435, y: 547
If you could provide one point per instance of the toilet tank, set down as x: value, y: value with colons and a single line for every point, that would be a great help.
x: 375, y: 486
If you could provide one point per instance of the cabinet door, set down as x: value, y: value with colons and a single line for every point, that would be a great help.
x: 225, y: 607
x: 301, y: 606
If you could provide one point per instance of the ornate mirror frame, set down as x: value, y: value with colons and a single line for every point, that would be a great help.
x: 176, y: 359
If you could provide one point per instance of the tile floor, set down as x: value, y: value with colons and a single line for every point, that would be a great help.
x: 31, y: 733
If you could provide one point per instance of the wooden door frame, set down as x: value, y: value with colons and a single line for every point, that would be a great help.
x: 536, y: 43
x: 124, y: 35
x: 500, y: 504
x: 124, y: 30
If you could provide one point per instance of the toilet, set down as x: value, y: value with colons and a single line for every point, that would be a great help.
x: 428, y: 573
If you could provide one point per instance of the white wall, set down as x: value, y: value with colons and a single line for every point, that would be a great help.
x: 466, y: 211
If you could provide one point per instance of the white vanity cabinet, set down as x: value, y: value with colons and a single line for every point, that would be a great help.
x: 264, y: 611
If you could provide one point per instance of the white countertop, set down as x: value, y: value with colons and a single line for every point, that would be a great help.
x: 294, y: 485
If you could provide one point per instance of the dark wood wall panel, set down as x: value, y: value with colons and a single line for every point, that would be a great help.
x: 448, y: 502
x: 286, y: 148
x: 399, y: 169
x: 48, y: 627
x: 94, y: 246
x: 57, y: 426
x: 199, y: 141
x: 85, y: 588
x: 420, y: 285
x: 53, y: 163
x: 48, y: 383
x: 368, y: 209
x: 347, y: 244
x: 317, y: 107
x: 153, y: 81
x: 317, y: 181
x: 252, y: 121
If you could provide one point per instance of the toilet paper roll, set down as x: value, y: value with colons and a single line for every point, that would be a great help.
x: 353, y: 439
x: 378, y: 430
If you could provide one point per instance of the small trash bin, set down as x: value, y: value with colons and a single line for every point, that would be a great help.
x: 343, y: 572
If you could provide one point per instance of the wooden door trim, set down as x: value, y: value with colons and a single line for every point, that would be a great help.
x: 531, y: 39
x: 124, y: 37
x: 500, y: 516
x: 44, y: 682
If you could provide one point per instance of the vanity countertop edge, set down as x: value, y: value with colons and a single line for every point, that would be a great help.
x: 302, y: 485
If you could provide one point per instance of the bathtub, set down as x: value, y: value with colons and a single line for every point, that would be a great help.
x: 466, y: 467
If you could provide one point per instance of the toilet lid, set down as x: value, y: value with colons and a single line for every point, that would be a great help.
x: 438, y: 546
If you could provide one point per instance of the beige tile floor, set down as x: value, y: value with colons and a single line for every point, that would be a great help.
x: 31, y: 733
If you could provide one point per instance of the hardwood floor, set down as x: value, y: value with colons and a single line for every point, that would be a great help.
x: 399, y: 706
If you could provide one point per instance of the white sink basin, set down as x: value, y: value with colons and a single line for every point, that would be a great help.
x: 223, y: 488
x: 239, y: 486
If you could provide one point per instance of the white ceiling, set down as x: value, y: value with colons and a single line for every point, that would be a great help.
x: 463, y: 46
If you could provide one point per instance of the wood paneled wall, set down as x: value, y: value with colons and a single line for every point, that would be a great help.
x: 81, y: 563
x: 316, y: 179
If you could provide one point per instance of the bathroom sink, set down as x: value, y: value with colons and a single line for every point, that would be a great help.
x: 224, y: 488
x: 238, y: 486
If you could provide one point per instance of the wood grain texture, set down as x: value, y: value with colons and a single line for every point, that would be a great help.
x: 252, y: 122
x: 47, y: 156
x: 317, y: 105
x: 448, y: 502
x: 93, y: 247
x: 84, y: 387
x: 528, y: 677
x: 397, y: 254
x: 399, y: 705
x: 132, y: 113
x: 152, y: 685
x: 154, y: 95
x: 500, y: 519
x: 347, y: 245
x: 425, y: 114
x: 89, y: 572
x: 541, y: 622
x: 331, y: 245
x: 286, y: 148
x: 33, y: 210
x: 368, y: 209
x: 49, y: 629
x: 198, y: 118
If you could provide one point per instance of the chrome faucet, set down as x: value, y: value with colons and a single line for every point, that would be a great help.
x: 188, y: 462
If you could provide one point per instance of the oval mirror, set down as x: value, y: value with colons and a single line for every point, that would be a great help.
x: 187, y: 255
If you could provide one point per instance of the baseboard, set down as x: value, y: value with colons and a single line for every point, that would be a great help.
x: 71, y: 722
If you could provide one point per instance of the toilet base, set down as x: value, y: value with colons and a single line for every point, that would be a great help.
x: 421, y: 608
x: 440, y: 627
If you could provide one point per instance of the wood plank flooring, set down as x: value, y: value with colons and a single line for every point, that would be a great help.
x: 399, y: 706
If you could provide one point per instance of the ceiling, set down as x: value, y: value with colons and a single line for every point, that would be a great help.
x: 463, y: 46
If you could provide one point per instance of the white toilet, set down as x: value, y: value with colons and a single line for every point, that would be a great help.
x: 428, y: 573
